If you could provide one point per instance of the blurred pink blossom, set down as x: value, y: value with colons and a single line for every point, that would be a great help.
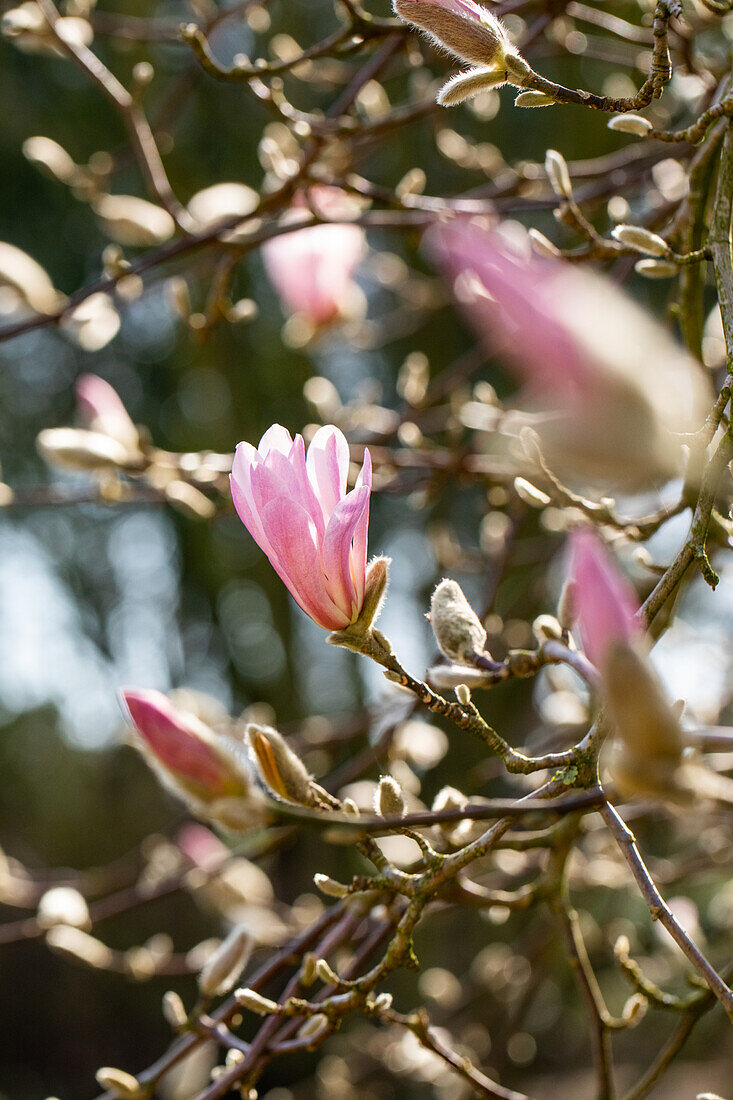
x: 101, y: 410
x: 201, y: 846
x: 604, y: 601
x: 298, y: 512
x: 312, y: 269
x: 186, y: 750
x: 615, y: 389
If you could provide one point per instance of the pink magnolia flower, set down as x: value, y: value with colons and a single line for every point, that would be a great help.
x: 298, y: 512
x: 186, y: 751
x: 101, y: 410
x: 312, y: 269
x: 604, y: 601
x: 614, y: 387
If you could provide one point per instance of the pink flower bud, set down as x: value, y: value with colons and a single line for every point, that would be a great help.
x: 298, y: 512
x: 312, y: 269
x: 101, y: 410
x: 605, y: 603
x: 187, y: 752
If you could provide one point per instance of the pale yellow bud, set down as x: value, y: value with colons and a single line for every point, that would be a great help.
x: 566, y: 606
x: 388, y: 797
x: 226, y: 964
x: 534, y: 99
x: 80, y: 946
x: 456, y: 626
x: 412, y: 183
x: 630, y: 124
x: 281, y: 770
x: 174, y: 1010
x: 63, y: 905
x: 255, y: 1002
x: 117, y: 1081
x: 27, y: 278
x: 546, y: 628
x: 315, y: 1027
x: 326, y: 973
x: 133, y: 221
x: 50, y: 158
x: 542, y: 245
x: 640, y: 239
x: 634, y: 1010
x: 557, y: 173
x: 463, y: 695
x: 530, y: 494
x: 656, y: 269
x: 77, y: 449
x: 467, y: 85
x: 330, y: 887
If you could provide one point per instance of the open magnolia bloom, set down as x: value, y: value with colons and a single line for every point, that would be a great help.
x: 296, y: 508
x: 472, y: 33
x: 611, y: 392
x: 312, y: 269
x: 208, y: 770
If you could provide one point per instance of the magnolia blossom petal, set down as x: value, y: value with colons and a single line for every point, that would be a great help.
x: 327, y: 463
x: 291, y: 534
x: 277, y: 439
x: 337, y: 546
x: 303, y: 489
x: 604, y: 600
x: 359, y: 551
x: 246, y: 460
x: 514, y: 300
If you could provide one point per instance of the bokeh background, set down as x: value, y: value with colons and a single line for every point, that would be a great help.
x: 94, y: 597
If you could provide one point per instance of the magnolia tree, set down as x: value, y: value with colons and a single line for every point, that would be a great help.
x: 593, y: 431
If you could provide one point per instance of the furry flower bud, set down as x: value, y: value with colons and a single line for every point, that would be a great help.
x: 280, y: 769
x: 530, y: 494
x: 630, y: 124
x: 469, y: 30
x: 557, y: 173
x: 388, y: 797
x: 457, y: 627
x: 330, y: 887
x: 119, y: 1083
x: 255, y: 1002
x: 641, y: 240
x: 534, y: 99
x: 656, y: 269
